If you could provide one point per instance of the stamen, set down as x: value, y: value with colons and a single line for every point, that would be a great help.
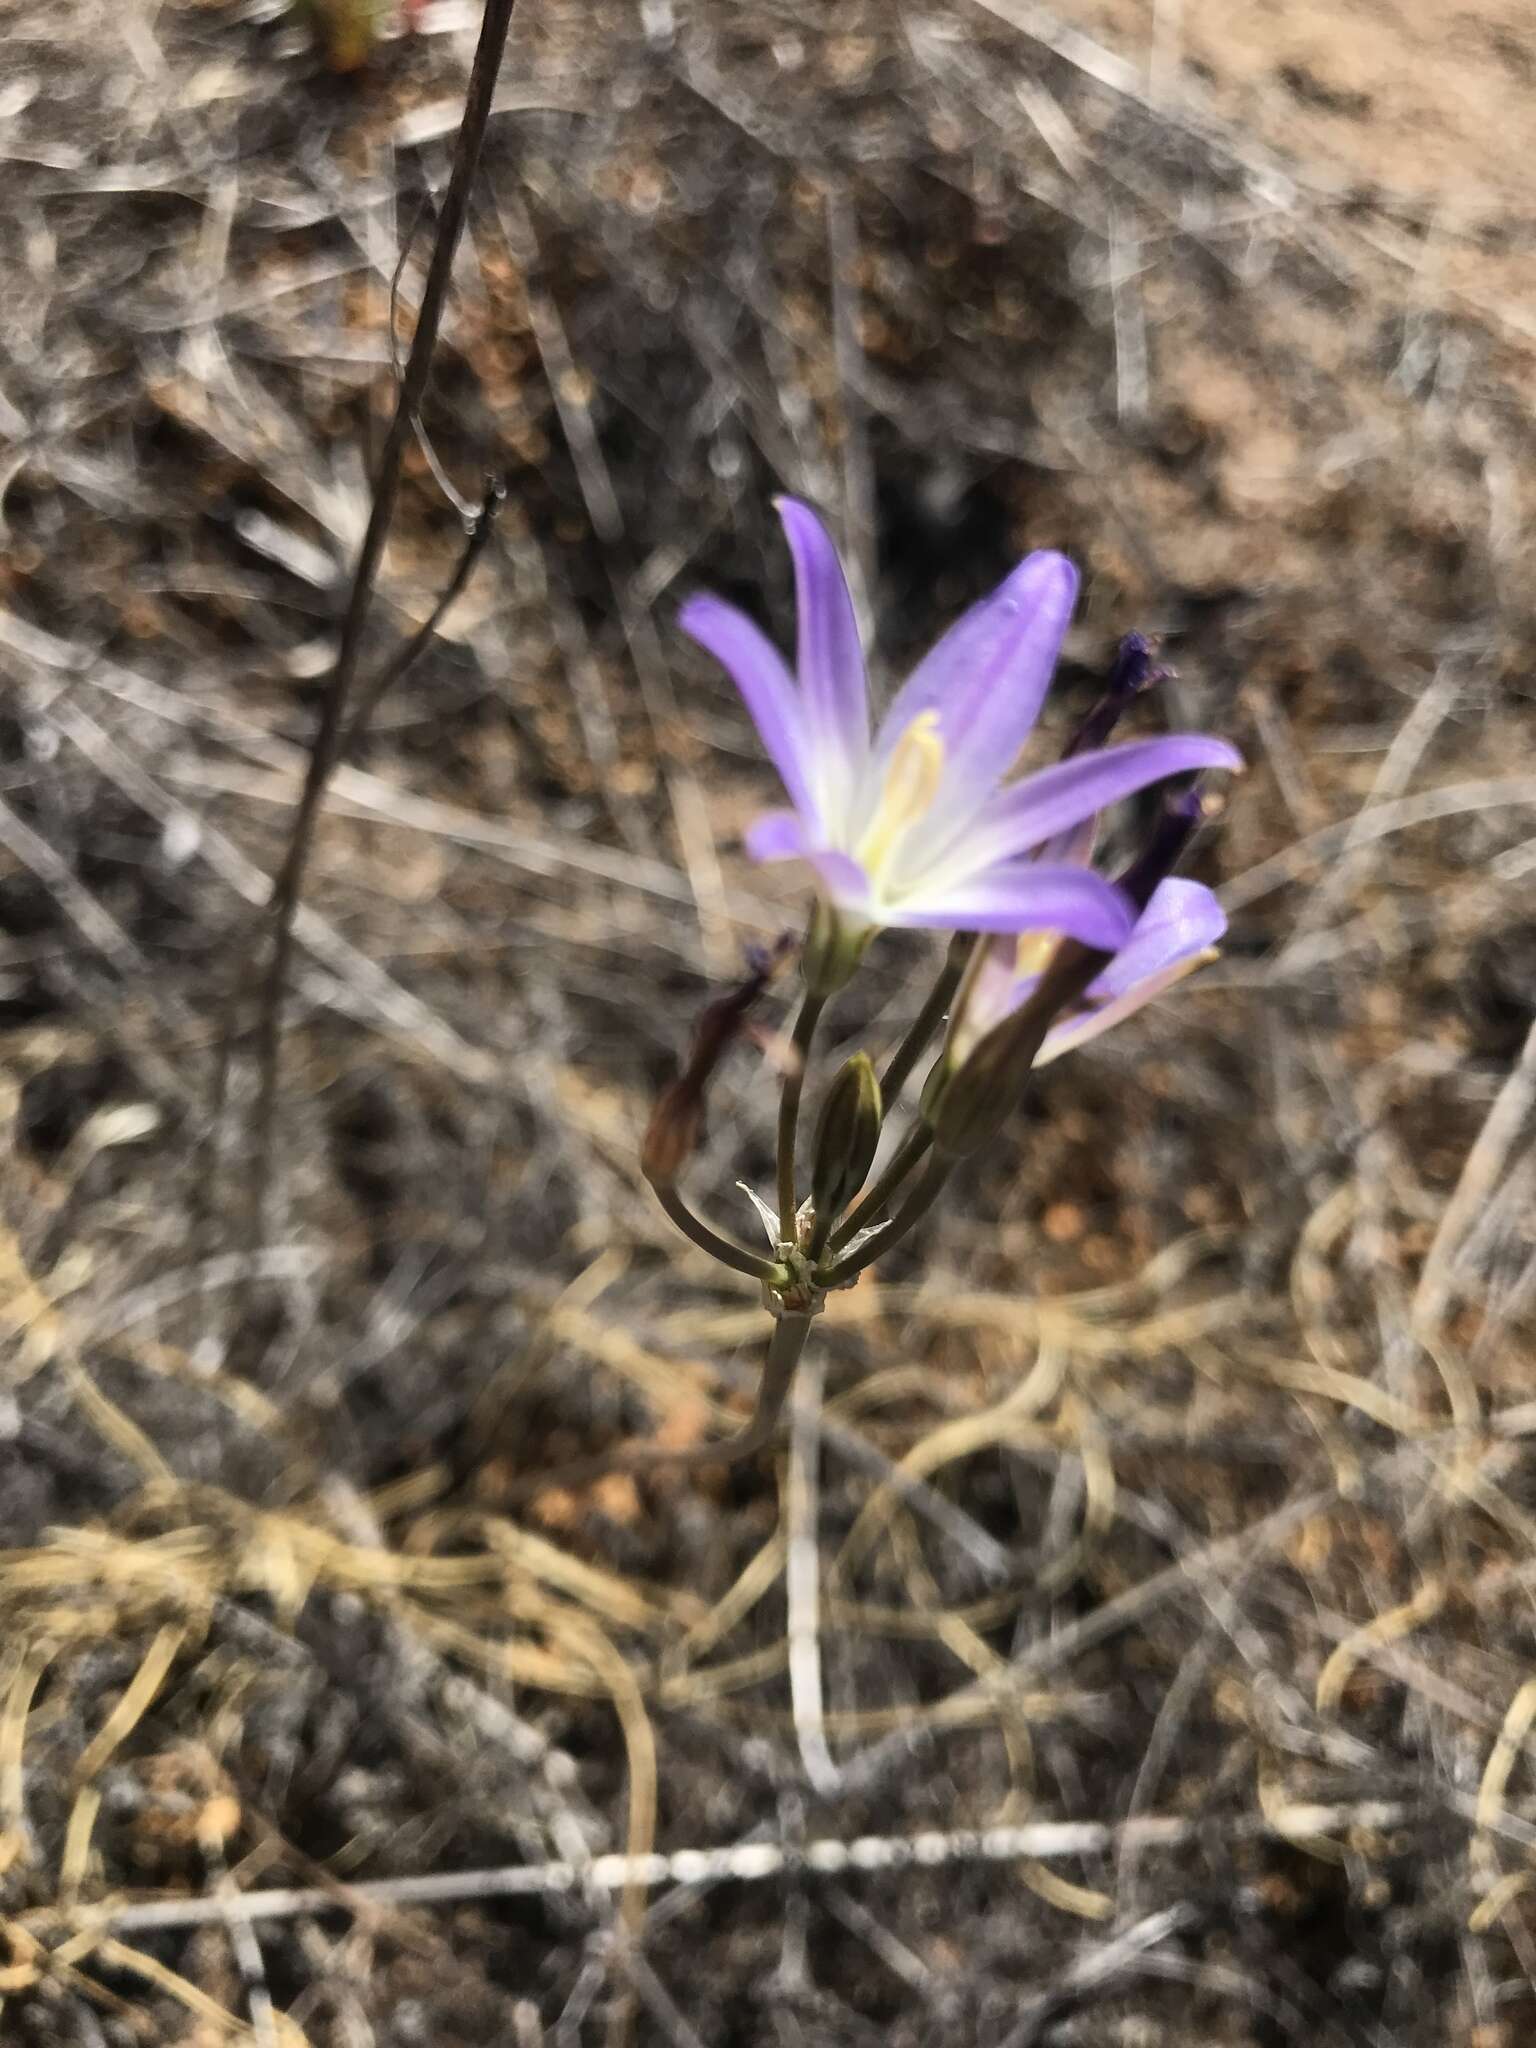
x: 911, y: 783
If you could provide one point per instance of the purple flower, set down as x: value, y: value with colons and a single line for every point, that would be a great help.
x: 1175, y: 933
x: 912, y: 823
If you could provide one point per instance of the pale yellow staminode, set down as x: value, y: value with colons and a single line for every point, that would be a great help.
x: 912, y: 781
x: 1032, y: 954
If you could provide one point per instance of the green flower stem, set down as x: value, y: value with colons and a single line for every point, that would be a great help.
x: 784, y: 1349
x: 789, y: 1109
x: 725, y: 1249
x: 927, y: 1021
x: 819, y: 1238
x: 907, y: 1154
x: 916, y: 1206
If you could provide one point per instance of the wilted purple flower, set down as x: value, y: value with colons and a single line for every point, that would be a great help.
x: 1174, y: 934
x: 912, y: 823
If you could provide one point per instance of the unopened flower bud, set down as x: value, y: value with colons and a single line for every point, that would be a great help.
x: 847, y: 1137
x: 1135, y: 670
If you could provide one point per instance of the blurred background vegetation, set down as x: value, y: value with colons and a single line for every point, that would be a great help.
x: 1175, y: 1480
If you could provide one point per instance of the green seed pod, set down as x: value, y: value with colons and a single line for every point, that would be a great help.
x: 847, y: 1137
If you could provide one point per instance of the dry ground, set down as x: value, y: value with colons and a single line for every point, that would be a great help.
x: 1174, y: 1499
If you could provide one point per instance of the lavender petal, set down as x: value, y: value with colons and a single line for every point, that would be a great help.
x: 757, y: 669
x: 1182, y: 919
x: 987, y: 677
x: 829, y: 662
x: 1022, y: 896
x: 784, y: 835
x: 1028, y: 813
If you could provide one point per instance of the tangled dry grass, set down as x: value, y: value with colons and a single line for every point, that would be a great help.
x: 1132, y: 1640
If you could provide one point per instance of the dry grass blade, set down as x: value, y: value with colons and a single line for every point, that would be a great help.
x: 752, y: 1863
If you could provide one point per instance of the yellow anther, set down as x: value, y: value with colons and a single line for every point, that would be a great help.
x: 912, y: 781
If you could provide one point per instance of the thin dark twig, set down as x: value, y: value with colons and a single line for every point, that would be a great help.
x: 325, y: 752
x: 395, y: 277
x: 465, y: 510
x: 477, y: 535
